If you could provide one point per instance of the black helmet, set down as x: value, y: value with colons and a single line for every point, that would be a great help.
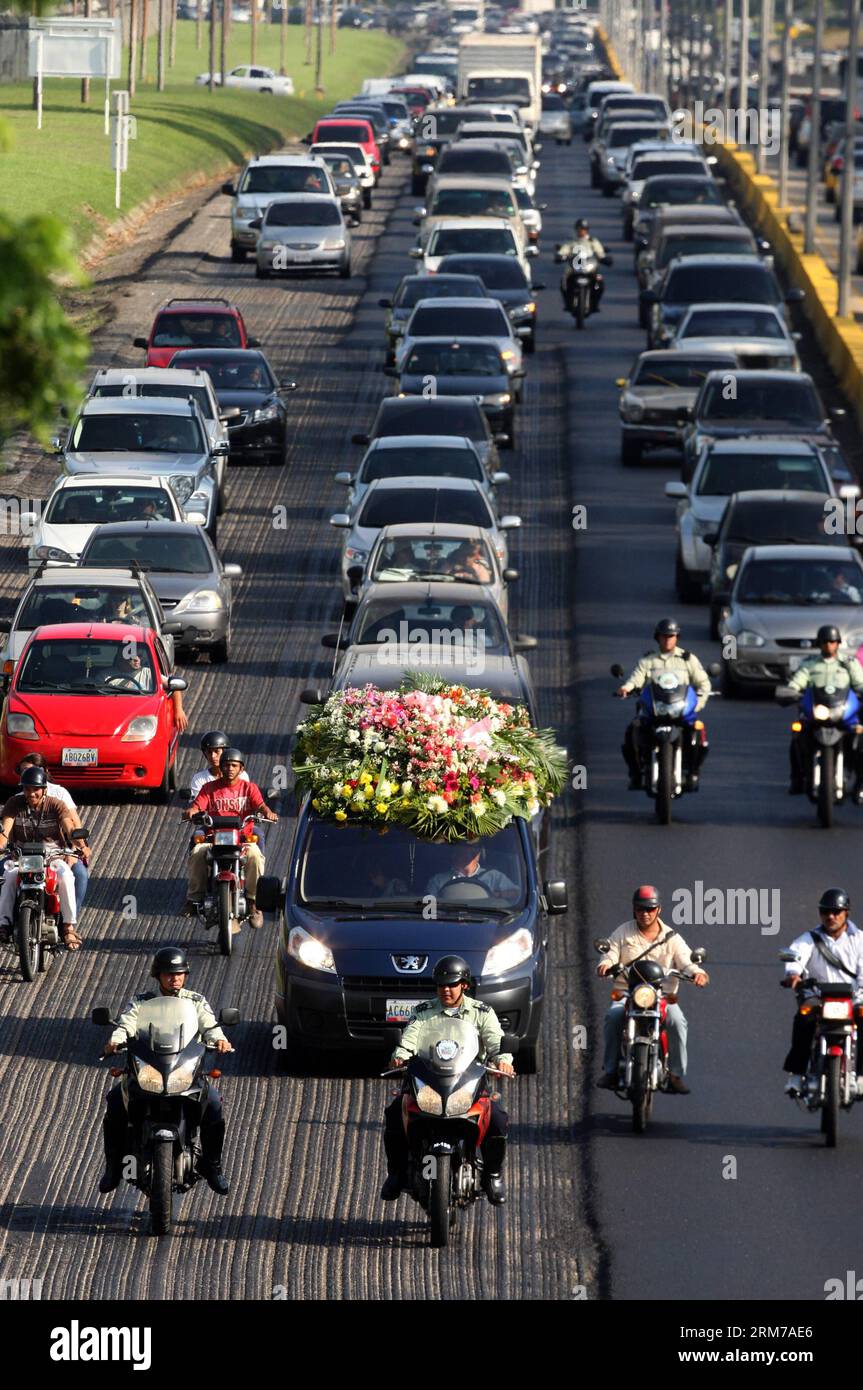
x: 645, y: 972
x: 233, y: 755
x: 834, y: 900
x: 582, y: 224
x: 828, y: 633
x: 451, y: 970
x: 34, y: 777
x: 169, y: 960
x: 646, y: 897
x: 667, y: 627
x: 214, y: 739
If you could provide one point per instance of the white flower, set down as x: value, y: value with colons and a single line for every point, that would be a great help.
x: 498, y: 796
x: 380, y: 746
x: 479, y: 808
x: 407, y: 788
x: 438, y: 805
x: 353, y: 736
x: 532, y: 807
x: 385, y: 789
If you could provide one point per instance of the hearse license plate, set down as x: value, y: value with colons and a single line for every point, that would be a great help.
x: 400, y: 1010
x: 80, y: 757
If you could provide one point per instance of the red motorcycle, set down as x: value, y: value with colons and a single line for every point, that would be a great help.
x: 225, y: 904
x: 36, y: 915
x: 831, y: 1080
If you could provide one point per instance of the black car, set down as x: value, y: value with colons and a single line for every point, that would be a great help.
x: 504, y: 279
x: 448, y: 415
x: 244, y: 379
x: 467, y: 367
x: 664, y: 190
x: 709, y: 280
x: 433, y: 131
x: 412, y: 288
x: 786, y: 517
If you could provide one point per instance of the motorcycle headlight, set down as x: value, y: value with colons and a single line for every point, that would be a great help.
x: 309, y: 951
x: 21, y: 724
x: 821, y: 712
x: 460, y: 1102
x: 429, y: 1101
x: 265, y: 412
x: 675, y: 707
x: 750, y: 639
x: 148, y: 1078
x: 202, y: 600
x: 181, y: 1079
x: 644, y: 996
x: 141, y: 730
x: 506, y: 955
x: 53, y: 552
x: 183, y: 486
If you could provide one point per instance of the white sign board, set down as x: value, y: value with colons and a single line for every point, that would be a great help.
x: 75, y: 48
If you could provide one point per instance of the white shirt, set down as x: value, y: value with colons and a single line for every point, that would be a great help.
x: 848, y: 948
x: 61, y: 794
x: 201, y: 779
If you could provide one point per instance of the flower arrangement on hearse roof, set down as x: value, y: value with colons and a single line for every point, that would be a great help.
x: 441, y: 760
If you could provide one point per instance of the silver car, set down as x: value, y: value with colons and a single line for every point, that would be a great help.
x: 264, y: 178
x: 419, y: 456
x: 390, y: 501
x: 756, y: 333
x: 302, y: 233
x: 555, y: 119
x: 465, y: 318
x: 165, y: 436
x: 436, y: 552
x: 782, y: 594
x: 657, y: 397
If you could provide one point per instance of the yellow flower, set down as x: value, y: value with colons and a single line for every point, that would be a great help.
x: 316, y: 803
x: 405, y: 801
x: 365, y: 778
x: 341, y: 815
x: 369, y: 793
x: 381, y: 807
x: 346, y: 790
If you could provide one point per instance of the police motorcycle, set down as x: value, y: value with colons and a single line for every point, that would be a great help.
x: 446, y: 1108
x: 643, y: 1061
x: 666, y: 709
x: 829, y: 724
x: 166, y: 1079
x: 583, y: 274
x: 36, y: 915
x: 830, y: 1083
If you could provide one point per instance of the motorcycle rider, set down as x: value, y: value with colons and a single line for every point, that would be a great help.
x: 825, y: 670
x: 170, y: 968
x: 33, y: 817
x: 832, y: 953
x: 686, y: 666
x: 581, y: 242
x: 212, y: 745
x: 452, y: 978
x: 80, y: 870
x: 228, y: 795
x: 633, y: 938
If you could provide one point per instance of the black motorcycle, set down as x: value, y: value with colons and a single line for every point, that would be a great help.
x: 36, y: 915
x: 825, y: 732
x: 581, y: 280
x: 166, y: 1078
x: 830, y: 1083
x: 672, y: 740
x: 446, y: 1109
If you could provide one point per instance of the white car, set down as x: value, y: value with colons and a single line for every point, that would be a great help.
x: 251, y: 80
x: 361, y: 160
x: 473, y: 236
x: 79, y: 504
x: 756, y: 333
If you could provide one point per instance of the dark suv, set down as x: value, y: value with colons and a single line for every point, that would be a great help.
x: 709, y: 280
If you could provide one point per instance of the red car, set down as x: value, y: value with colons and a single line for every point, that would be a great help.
x: 348, y: 130
x: 194, y: 323
x: 96, y: 700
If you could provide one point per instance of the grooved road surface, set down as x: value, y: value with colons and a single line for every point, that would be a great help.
x: 304, y: 1152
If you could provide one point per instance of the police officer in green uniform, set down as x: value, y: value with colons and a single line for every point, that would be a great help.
x: 170, y: 967
x: 828, y: 669
x: 686, y: 667
x: 452, y: 978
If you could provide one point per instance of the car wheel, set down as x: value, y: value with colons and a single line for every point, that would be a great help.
x: 266, y: 91
x: 238, y: 253
x: 528, y: 1059
x: 837, y: 213
x: 607, y: 190
x: 728, y: 685
x: 630, y: 452
x: 569, y: 141
x: 219, y: 652
x: 687, y: 592
x: 529, y: 344
x: 594, y: 177
x: 345, y: 271
x: 802, y: 159
x: 829, y: 195
x: 367, y: 197
x: 627, y: 231
x: 714, y: 622
x: 509, y: 428
x: 860, y: 262
x: 213, y: 529
x: 358, y: 217
x: 261, y: 274
x: 161, y: 795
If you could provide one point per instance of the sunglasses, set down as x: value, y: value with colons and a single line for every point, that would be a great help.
x: 640, y: 911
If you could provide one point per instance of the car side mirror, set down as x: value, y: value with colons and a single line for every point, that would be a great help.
x: 524, y: 332
x: 172, y: 629
x: 385, y: 303
x: 102, y: 1018
x: 354, y: 575
x: 221, y: 449
x: 500, y: 478
x: 416, y: 253
x: 140, y: 343
x: 229, y: 1018
x: 176, y: 683
x: 501, y: 439
x: 556, y: 900
x: 531, y: 252
x: 312, y: 696
x: 253, y: 342
x: 231, y: 412
x: 57, y: 443
x: 341, y: 520
x: 287, y: 386
x: 795, y: 296
x: 346, y: 478
x: 334, y: 640
x: 229, y: 190
x: 710, y: 537
x: 509, y: 523
x: 675, y: 489
x: 510, y: 576
x: 538, y: 285
x: 522, y: 643
x: 359, y: 439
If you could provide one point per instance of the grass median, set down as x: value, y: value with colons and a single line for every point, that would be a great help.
x: 182, y: 132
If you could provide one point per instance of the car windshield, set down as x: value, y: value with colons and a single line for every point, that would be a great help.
x: 682, y: 190
x: 473, y: 202
x: 552, y: 102
x: 200, y: 394
x: 132, y: 433
x: 749, y: 284
x: 793, y: 402
x: 438, y: 287
x: 732, y: 323
x: 426, y: 416
x: 79, y: 665
x: 284, y: 178
x: 439, y: 123
x: 457, y: 627
x: 448, y: 241
x: 514, y: 91
x: 625, y: 135
x: 246, y: 373
x: 725, y: 473
x: 351, y: 132
x: 393, y: 507
x: 91, y: 506
x: 829, y: 582
x: 433, y: 557
x: 679, y: 370
x: 475, y: 161
x: 71, y: 603
x: 426, y: 462
x: 760, y: 523
x: 693, y: 244
x: 454, y: 359
x: 497, y: 274
x: 341, y: 167
x: 152, y: 550
x: 481, y: 321
x: 196, y: 330
x: 352, y: 865
x: 645, y: 168
x: 303, y: 214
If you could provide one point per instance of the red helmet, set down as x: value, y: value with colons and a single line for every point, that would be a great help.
x: 646, y: 898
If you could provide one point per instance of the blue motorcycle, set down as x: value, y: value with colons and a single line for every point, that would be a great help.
x: 826, y: 731
x: 668, y: 739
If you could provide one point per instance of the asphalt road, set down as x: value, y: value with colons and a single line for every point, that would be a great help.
x: 591, y: 1205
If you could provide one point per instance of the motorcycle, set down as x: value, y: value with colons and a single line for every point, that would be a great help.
x: 446, y: 1109
x: 643, y: 1062
x: 666, y: 707
x: 831, y: 1080
x: 225, y: 901
x: 36, y: 914
x: 827, y: 717
x: 584, y: 265
x: 166, y: 1075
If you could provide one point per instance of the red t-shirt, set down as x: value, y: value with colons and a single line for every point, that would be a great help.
x: 219, y: 798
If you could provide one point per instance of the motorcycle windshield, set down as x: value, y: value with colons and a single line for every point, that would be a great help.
x: 668, y: 694
x: 166, y: 1024
x: 448, y: 1045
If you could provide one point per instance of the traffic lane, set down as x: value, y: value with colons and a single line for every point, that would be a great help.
x: 741, y: 830
x: 304, y: 1153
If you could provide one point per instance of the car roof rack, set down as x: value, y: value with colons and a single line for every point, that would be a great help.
x: 202, y: 299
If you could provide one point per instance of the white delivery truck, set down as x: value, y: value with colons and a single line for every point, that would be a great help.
x: 502, y: 69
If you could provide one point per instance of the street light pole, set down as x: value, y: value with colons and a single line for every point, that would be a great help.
x: 763, y: 78
x: 783, y: 103
x: 814, y: 141
x: 847, y: 233
x: 726, y: 51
